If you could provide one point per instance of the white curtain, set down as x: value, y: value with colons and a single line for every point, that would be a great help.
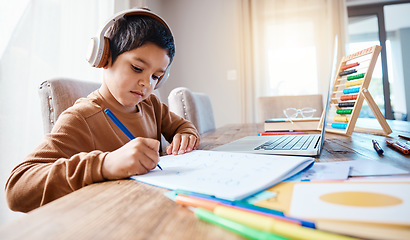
x: 42, y: 39
x: 293, y: 44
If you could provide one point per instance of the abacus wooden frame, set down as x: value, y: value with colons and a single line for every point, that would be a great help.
x: 363, y: 94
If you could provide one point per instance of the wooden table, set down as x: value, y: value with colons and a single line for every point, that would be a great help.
x: 127, y: 209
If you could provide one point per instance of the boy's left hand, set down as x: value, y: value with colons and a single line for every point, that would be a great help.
x: 183, y: 143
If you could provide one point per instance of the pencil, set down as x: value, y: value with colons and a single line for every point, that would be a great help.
x: 121, y: 126
x: 405, y: 137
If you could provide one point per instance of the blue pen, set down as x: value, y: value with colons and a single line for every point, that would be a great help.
x: 121, y: 126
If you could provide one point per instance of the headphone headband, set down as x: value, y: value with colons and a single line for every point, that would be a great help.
x: 99, y: 52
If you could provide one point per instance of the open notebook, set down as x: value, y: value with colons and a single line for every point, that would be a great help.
x: 230, y: 176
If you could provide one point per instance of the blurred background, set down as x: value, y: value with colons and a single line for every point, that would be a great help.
x: 233, y: 50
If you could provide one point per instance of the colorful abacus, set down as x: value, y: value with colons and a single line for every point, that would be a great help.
x: 351, y: 89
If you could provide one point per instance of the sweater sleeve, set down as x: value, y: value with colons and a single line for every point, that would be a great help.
x: 64, y: 162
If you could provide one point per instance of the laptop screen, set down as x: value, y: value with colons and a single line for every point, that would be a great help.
x: 328, y: 100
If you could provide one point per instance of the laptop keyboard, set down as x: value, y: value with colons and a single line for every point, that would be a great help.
x: 289, y: 142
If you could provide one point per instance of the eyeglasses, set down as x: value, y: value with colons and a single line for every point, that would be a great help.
x: 293, y: 113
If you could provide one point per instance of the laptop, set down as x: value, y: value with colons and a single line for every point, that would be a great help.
x: 298, y: 145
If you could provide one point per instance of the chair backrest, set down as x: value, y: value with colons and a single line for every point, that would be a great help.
x: 194, y: 107
x: 56, y: 95
x: 273, y: 106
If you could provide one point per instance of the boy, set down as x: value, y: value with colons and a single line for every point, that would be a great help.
x: 85, y: 146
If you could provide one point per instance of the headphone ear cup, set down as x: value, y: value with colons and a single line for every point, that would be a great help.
x: 163, y: 79
x: 105, y: 54
x: 92, y: 50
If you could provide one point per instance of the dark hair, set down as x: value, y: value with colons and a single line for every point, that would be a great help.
x: 132, y: 32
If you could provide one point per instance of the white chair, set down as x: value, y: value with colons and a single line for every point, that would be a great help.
x: 56, y: 95
x: 194, y: 107
x: 273, y: 106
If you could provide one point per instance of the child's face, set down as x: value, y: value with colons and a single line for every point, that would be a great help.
x: 134, y: 74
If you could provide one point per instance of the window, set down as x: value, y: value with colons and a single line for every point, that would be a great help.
x: 387, y: 25
x: 292, y: 43
x: 285, y: 53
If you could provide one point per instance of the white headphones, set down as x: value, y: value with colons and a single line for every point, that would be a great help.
x: 99, y: 48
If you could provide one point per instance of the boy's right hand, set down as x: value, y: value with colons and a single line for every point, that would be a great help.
x: 138, y: 156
